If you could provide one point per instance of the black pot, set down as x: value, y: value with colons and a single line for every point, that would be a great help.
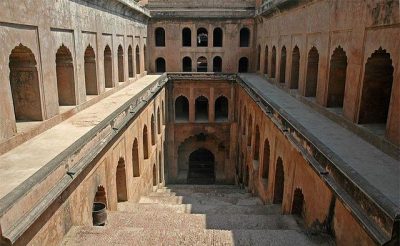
x: 99, y: 214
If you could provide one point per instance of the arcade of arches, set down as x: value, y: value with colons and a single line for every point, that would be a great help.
x: 298, y: 116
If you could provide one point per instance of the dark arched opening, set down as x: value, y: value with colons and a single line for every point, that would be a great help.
x: 201, y: 167
x: 187, y: 64
x: 217, y: 64
x: 218, y: 37
x: 294, y: 80
x: 65, y: 77
x: 101, y: 195
x: 24, y: 81
x: 279, y: 182
x: 266, y: 156
x: 181, y: 109
x: 256, y: 153
x: 244, y: 121
x: 282, y: 73
x: 130, y: 62
x: 145, y: 143
x: 312, y: 73
x: 273, y: 62
x: 153, y: 130
x: 202, y: 37
x: 201, y: 109
x: 145, y: 57
x: 266, y: 60
x: 158, y: 121
x: 186, y: 37
x: 249, y: 130
x: 258, y: 58
x: 108, y: 70
x: 137, y: 58
x: 135, y: 158
x: 160, y: 65
x: 154, y: 175
x: 337, y: 78
x: 160, y: 176
x: 298, y: 202
x: 202, y: 64
x: 121, y: 64
x: 221, y: 109
x: 160, y: 37
x: 243, y: 65
x: 377, y: 88
x: 122, y: 192
x: 90, y: 72
x: 244, y: 37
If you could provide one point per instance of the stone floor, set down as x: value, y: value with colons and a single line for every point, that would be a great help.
x: 196, y: 215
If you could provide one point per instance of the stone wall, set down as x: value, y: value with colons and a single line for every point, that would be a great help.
x: 330, y: 27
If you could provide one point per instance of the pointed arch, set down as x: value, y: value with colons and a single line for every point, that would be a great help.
x: 130, y: 62
x: 122, y: 192
x: 108, y: 67
x: 294, y: 80
x: 282, y: 72
x: 90, y: 72
x: 135, y: 158
x: 145, y: 143
x: 121, y: 76
x: 65, y: 77
x: 337, y: 78
x: 312, y: 73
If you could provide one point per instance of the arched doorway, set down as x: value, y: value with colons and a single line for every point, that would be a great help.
x: 121, y: 64
x: 201, y: 109
x: 266, y: 156
x: 90, y: 72
x: 217, y: 64
x: 181, y: 109
x: 282, y: 72
x: 294, y: 80
x: 312, y: 73
x: 279, y: 182
x: 24, y: 81
x: 201, y: 167
x: 221, y: 109
x: 377, y: 88
x: 65, y: 77
x: 108, y: 75
x: 298, y: 202
x: 202, y: 64
x: 186, y: 64
x: 243, y: 65
x: 160, y: 65
x: 337, y: 78
x: 122, y: 192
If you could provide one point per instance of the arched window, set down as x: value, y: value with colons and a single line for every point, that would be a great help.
x: 249, y: 130
x: 145, y: 57
x: 135, y: 158
x: 221, y: 109
x: 243, y: 65
x: 187, y: 64
x: 137, y: 58
x: 122, y: 192
x: 160, y: 37
x: 154, y: 175
x: 162, y: 112
x: 186, y: 37
x: 108, y: 67
x: 258, y: 57
x: 160, y: 65
x: 158, y: 121
x: 266, y: 60
x: 202, y: 37
x: 24, y: 82
x: 145, y: 143
x: 160, y: 168
x: 121, y: 64
x: 130, y: 62
x: 337, y: 78
x: 153, y: 130
x: 244, y: 37
x: 377, y: 88
x: 282, y: 72
x: 202, y: 64
x: 266, y: 156
x: 256, y: 155
x: 273, y: 62
x: 90, y: 72
x: 298, y: 202
x: 312, y: 73
x: 217, y: 64
x: 279, y: 186
x: 201, y: 107
x: 65, y: 77
x: 218, y: 37
x: 181, y: 109
x: 244, y: 121
x: 294, y: 80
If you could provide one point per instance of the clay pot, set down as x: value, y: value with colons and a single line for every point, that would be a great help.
x: 99, y: 214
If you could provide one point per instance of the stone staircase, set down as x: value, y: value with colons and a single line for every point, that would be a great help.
x: 196, y: 215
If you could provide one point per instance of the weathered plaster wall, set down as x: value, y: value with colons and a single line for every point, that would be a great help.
x: 327, y: 25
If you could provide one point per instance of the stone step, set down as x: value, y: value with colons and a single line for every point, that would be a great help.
x: 107, y: 235
x: 201, y: 221
x: 199, y: 208
x: 233, y: 199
